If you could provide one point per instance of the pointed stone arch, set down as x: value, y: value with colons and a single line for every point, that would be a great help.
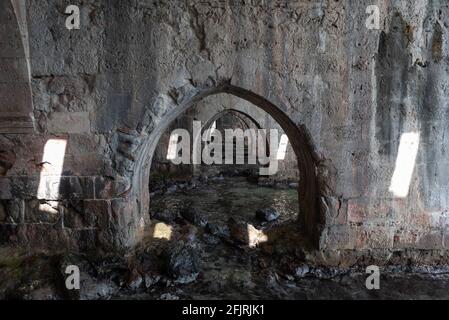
x: 308, y: 190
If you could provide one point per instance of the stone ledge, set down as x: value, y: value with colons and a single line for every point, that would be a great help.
x: 16, y: 123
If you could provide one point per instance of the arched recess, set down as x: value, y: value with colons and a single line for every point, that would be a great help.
x: 248, y: 120
x: 16, y: 111
x: 308, y: 192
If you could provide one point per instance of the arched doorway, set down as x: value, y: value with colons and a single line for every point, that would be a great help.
x: 307, y: 187
x: 231, y: 119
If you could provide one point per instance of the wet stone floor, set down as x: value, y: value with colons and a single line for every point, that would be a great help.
x: 222, y: 198
x: 205, y: 242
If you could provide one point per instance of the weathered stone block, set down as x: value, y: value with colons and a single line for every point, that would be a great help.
x: 14, y: 210
x: 69, y: 122
x: 43, y: 235
x: 419, y: 238
x: 334, y: 211
x: 5, y: 188
x: 118, y: 109
x: 74, y: 215
x: 123, y: 165
x: 378, y: 237
x: 85, y: 164
x: 24, y: 187
x: 432, y: 239
x: 356, y: 212
x: 439, y: 220
x: 37, y: 211
x: 404, y: 239
x: 363, y: 210
x: 76, y: 188
x: 125, y: 226
x: 85, y: 239
x: 8, y: 233
x: 97, y: 213
x: 86, y: 214
x: 107, y: 188
x: 340, y: 237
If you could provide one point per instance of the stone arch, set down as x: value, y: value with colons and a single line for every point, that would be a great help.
x: 241, y: 115
x: 308, y: 191
x: 16, y: 111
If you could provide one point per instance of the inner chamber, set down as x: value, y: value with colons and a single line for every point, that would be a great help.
x: 215, y: 197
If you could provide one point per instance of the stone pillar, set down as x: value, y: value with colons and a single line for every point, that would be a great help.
x: 15, y: 91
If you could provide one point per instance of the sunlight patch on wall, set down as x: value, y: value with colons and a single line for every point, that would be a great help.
x: 405, y: 164
x: 52, y: 165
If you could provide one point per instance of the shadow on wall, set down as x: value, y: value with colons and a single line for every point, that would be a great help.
x: 397, y: 116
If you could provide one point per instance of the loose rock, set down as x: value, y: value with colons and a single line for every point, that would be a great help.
x: 194, y: 216
x: 301, y: 271
x: 183, y: 264
x: 166, y: 215
x: 245, y: 233
x: 267, y: 214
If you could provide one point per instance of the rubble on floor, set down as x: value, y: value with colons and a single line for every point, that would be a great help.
x: 200, y: 256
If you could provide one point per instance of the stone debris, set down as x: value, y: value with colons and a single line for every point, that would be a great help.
x: 166, y: 215
x: 135, y: 280
x: 182, y: 262
x: 194, y: 216
x: 168, y: 296
x: 302, y: 271
x: 151, y: 280
x: 267, y: 214
x: 245, y: 233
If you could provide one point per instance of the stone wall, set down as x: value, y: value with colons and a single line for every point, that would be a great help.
x: 343, y: 93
